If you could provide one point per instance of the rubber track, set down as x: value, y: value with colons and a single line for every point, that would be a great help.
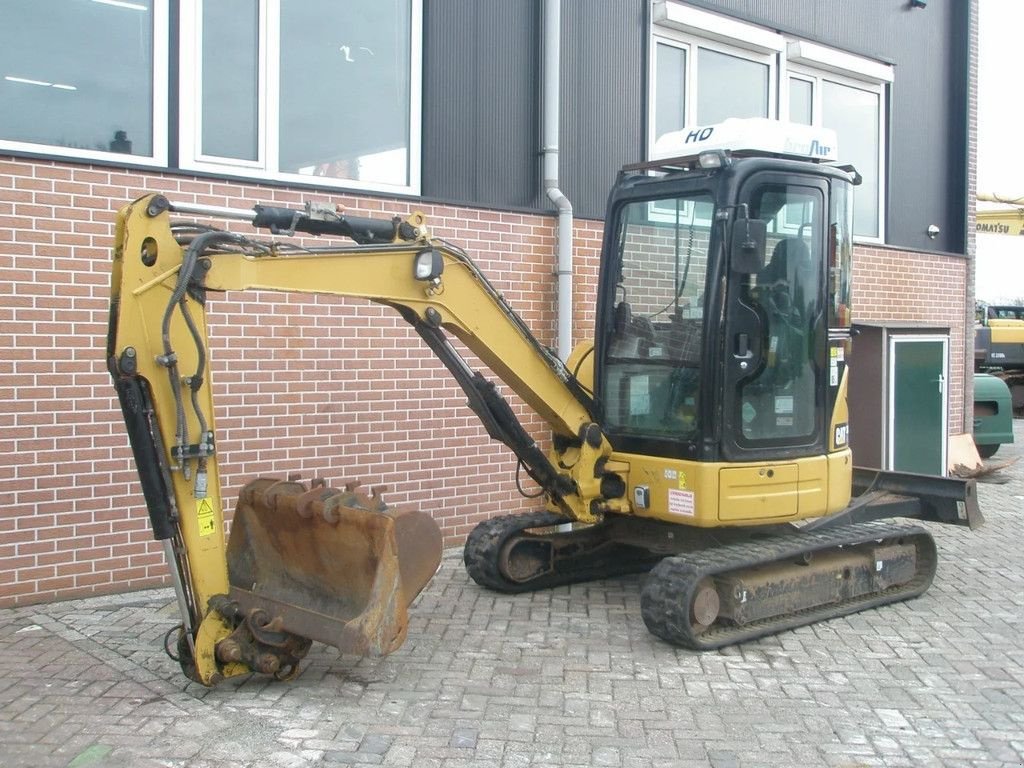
x: 668, y: 593
x: 485, y: 544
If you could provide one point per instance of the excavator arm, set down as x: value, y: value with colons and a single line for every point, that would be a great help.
x: 255, y: 602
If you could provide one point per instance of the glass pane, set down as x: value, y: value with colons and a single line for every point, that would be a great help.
x: 728, y: 86
x: 840, y: 262
x: 77, y: 74
x: 652, y: 371
x: 854, y: 115
x: 777, y: 403
x: 670, y: 87
x: 345, y: 89
x: 230, y: 79
x: 801, y: 93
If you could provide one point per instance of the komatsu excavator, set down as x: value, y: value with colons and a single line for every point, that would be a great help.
x: 1008, y: 220
x: 999, y: 329
x: 703, y: 436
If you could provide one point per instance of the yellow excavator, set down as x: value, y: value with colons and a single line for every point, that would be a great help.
x: 999, y: 328
x: 1008, y: 220
x: 703, y: 436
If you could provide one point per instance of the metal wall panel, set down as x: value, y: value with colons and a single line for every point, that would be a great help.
x: 480, y: 117
x: 603, y: 105
x: 481, y: 125
x: 482, y: 92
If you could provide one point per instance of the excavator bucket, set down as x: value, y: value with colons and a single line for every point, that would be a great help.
x: 336, y: 566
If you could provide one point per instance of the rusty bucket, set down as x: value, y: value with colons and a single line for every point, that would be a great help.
x: 336, y: 566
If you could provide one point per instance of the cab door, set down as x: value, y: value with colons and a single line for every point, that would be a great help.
x: 775, y: 367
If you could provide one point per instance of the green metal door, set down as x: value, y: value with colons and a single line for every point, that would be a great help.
x: 917, y: 404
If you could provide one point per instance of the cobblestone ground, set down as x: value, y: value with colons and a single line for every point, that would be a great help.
x: 564, y: 677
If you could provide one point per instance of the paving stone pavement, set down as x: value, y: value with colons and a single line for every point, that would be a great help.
x: 567, y: 677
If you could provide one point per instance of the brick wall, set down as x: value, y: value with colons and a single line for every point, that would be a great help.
x: 310, y: 385
x: 924, y: 288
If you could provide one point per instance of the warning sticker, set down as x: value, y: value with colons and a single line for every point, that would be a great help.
x: 680, y: 503
x: 205, y: 517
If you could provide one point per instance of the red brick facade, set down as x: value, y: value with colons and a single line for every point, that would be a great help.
x: 896, y: 286
x: 311, y: 385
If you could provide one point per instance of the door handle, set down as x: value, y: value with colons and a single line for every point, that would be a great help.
x: 743, y: 351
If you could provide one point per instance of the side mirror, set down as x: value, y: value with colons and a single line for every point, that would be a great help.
x: 747, y: 245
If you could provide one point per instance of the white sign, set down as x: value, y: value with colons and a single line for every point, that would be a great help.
x: 681, y: 503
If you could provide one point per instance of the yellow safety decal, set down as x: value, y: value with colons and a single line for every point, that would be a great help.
x: 205, y: 517
x: 682, y: 481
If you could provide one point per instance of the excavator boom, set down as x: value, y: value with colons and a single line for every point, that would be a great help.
x: 319, y: 563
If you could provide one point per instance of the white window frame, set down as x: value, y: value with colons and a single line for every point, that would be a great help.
x: 190, y: 75
x: 691, y: 29
x: 267, y: 163
x: 810, y: 61
x: 159, y: 84
x: 653, y: 80
x: 688, y: 28
x: 819, y: 118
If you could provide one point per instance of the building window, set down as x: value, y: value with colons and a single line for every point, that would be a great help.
x: 669, y: 88
x: 855, y: 114
x: 84, y: 77
x: 706, y: 68
x: 303, y: 90
x: 694, y: 53
x: 847, y: 94
x: 801, y: 100
x: 748, y: 91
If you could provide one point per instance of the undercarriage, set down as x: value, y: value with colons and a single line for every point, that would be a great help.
x: 711, y: 588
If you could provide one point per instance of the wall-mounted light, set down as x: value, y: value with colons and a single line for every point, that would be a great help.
x: 918, y: 3
x: 933, y: 231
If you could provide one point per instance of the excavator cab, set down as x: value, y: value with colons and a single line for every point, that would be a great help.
x: 734, y: 279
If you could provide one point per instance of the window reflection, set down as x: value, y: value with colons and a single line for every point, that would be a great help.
x: 230, y: 117
x: 651, y: 381
x: 854, y: 115
x: 777, y: 402
x: 78, y: 74
x: 345, y: 90
x: 729, y: 86
x: 801, y: 93
x: 670, y: 110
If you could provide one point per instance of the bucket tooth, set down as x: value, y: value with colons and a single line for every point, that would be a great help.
x: 333, y: 566
x: 376, y: 501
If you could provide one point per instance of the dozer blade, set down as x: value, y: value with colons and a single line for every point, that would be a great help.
x: 332, y: 565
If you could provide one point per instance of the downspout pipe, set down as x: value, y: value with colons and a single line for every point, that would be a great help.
x: 552, y: 13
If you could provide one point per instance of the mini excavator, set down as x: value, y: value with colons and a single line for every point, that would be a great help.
x: 703, y: 435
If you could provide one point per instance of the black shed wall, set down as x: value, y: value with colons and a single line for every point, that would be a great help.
x: 482, y: 78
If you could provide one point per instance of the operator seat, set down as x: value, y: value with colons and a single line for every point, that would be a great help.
x: 632, y: 336
x: 789, y: 257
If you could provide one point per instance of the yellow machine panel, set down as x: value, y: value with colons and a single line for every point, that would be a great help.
x: 759, y: 493
x: 708, y: 494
